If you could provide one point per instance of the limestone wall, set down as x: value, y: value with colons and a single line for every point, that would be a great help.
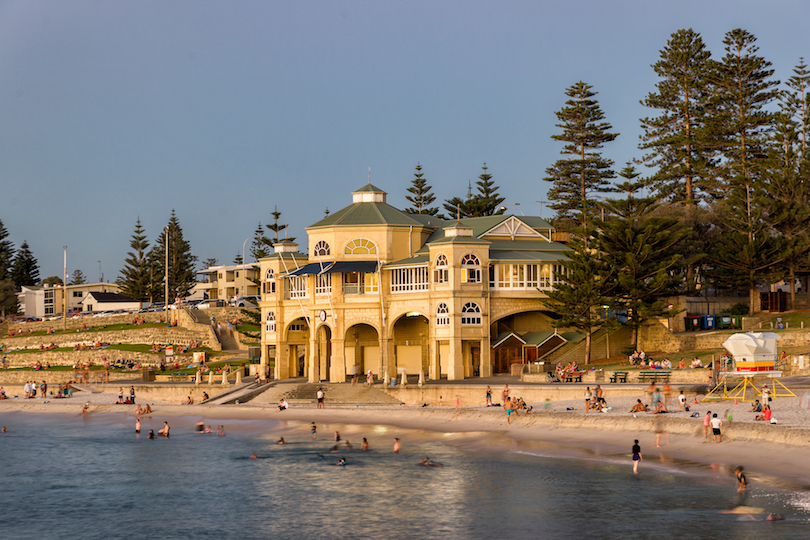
x: 68, y: 358
x: 54, y: 377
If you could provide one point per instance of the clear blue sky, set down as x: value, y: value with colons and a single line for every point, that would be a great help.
x: 221, y: 110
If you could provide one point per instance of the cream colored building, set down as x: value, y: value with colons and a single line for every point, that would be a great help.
x: 383, y: 290
x: 229, y: 282
x: 47, y: 300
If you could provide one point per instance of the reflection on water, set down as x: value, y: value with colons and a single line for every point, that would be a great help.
x: 93, y: 478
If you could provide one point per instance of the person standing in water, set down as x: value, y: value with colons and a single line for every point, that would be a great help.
x: 636, y: 456
x: 742, y: 482
x: 314, y: 430
x: 397, y: 446
x: 365, y: 447
x: 138, y: 426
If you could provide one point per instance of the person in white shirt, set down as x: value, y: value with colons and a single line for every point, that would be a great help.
x: 716, y: 425
x: 682, y: 400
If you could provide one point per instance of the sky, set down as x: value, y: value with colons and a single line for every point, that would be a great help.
x: 112, y: 112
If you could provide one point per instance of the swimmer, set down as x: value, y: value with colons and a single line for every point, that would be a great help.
x: 151, y: 434
x: 337, y: 437
x: 165, y: 430
x: 334, y: 449
x: 349, y: 445
x: 397, y: 446
x: 254, y: 456
x: 427, y: 463
x: 320, y: 457
x: 342, y: 462
x: 365, y: 447
x: 207, y: 429
x: 221, y: 430
x: 314, y: 429
x: 636, y: 456
x: 281, y: 441
x: 6, y: 431
x: 200, y: 427
x: 137, y: 425
x: 742, y: 481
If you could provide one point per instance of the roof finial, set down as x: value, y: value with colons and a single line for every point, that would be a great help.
x: 458, y: 213
x: 369, y: 176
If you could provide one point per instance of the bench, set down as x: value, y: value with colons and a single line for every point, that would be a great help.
x: 618, y: 376
x: 573, y: 376
x: 653, y: 376
x: 177, y: 377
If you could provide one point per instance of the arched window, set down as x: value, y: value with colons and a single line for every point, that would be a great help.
x: 270, y: 282
x: 471, y: 314
x: 470, y: 269
x: 360, y: 246
x: 442, y: 315
x: 322, y: 249
x: 440, y: 273
x: 270, y: 323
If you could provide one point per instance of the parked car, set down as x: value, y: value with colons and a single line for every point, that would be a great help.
x: 211, y: 303
x: 247, y: 301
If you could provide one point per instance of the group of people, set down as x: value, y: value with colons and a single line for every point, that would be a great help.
x: 595, y: 400
x: 93, y: 346
x: 37, y: 366
x: 31, y: 387
x: 124, y: 399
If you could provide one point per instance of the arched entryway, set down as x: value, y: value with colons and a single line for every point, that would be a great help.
x: 362, y: 349
x: 411, y: 343
x: 297, y: 347
x: 323, y: 353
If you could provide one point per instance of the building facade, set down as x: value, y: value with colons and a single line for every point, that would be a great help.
x: 228, y: 282
x: 47, y: 300
x: 391, y: 292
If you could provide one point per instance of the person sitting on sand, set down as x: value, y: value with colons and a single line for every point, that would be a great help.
x: 659, y: 408
x: 756, y: 406
x: 188, y: 401
x: 766, y: 414
x: 282, y: 405
x: 147, y: 409
x: 639, y: 407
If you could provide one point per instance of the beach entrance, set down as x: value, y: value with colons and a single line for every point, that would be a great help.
x: 411, y: 344
x: 362, y: 349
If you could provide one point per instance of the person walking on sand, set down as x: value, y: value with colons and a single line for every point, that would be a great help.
x: 320, y: 395
x: 588, y: 398
x: 489, y: 397
x: 716, y: 425
x: 505, y: 395
x: 706, y: 423
x: 636, y: 456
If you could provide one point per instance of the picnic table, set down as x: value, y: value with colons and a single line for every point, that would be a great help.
x: 572, y: 376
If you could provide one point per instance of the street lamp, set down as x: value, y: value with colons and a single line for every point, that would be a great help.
x: 504, y: 207
x: 166, y: 275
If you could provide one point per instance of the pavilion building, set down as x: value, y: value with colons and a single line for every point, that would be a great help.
x: 384, y: 290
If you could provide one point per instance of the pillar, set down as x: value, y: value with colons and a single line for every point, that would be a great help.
x: 338, y: 363
x: 386, y: 357
x: 486, y: 358
x: 455, y: 364
x: 434, y: 368
x: 282, y: 368
x: 312, y: 359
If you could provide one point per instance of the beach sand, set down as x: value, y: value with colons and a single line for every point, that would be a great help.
x: 768, y: 450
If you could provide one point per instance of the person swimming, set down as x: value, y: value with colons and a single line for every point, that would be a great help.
x: 342, y: 462
x: 427, y: 463
x: 254, y: 456
x: 151, y: 433
x: 281, y: 441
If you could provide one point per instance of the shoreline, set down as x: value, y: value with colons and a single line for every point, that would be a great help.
x: 765, y: 450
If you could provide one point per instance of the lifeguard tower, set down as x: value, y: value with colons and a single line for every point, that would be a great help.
x: 754, y: 362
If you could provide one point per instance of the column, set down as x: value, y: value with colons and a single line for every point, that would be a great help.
x: 486, y: 358
x: 434, y: 368
x: 338, y: 369
x: 455, y: 369
x: 313, y: 359
x: 282, y: 369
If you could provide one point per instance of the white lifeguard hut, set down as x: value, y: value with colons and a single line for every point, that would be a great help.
x: 754, y: 357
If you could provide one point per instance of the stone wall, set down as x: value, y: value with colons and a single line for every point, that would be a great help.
x: 68, y: 358
x: 677, y: 376
x: 54, y: 377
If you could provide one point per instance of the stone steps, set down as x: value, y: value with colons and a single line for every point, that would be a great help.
x: 338, y: 394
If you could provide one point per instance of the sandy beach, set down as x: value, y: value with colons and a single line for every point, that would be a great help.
x: 764, y: 449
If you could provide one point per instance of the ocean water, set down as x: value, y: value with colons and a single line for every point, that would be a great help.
x: 93, y: 478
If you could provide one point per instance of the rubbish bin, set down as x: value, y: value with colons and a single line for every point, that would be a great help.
x: 694, y: 323
x: 723, y: 321
x: 708, y: 322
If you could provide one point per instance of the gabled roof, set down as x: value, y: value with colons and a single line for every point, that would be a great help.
x: 108, y: 297
x: 367, y: 213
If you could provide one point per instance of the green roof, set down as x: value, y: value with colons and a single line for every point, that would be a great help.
x: 412, y: 261
x: 367, y: 213
x: 537, y: 338
x: 369, y: 188
x: 500, y: 255
x: 527, y: 245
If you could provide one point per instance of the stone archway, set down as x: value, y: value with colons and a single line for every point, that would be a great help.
x: 362, y: 349
x: 297, y: 344
x: 411, y: 337
x: 323, y: 353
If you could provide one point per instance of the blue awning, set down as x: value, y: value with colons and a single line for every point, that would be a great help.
x: 363, y: 267
x: 311, y: 268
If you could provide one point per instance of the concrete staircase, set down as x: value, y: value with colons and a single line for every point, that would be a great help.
x: 227, y: 342
x: 337, y: 395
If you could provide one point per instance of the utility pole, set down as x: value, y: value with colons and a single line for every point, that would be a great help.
x: 64, y: 294
x: 166, y: 276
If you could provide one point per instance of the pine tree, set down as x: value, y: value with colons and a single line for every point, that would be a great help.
x: 787, y: 184
x: 52, y: 280
x: 6, y: 254
x: 208, y: 263
x: 795, y: 101
x: 181, y: 263
x: 25, y: 271
x: 277, y: 227
x: 488, y: 201
x: 458, y: 208
x: 8, y: 297
x: 579, y: 293
x: 259, y: 248
x: 134, y: 277
x: 676, y: 139
x: 642, y: 251
x: 585, y: 172
x: 237, y: 259
x: 422, y: 197
x: 78, y: 278
x: 740, y: 126
x: 739, y: 123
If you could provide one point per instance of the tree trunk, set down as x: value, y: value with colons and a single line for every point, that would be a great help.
x: 752, y: 296
x: 792, y: 289
x: 588, y: 347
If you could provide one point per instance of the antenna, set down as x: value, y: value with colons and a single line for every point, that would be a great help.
x: 369, y: 176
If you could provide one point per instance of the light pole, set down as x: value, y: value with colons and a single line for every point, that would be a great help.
x: 166, y: 276
x: 504, y: 207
